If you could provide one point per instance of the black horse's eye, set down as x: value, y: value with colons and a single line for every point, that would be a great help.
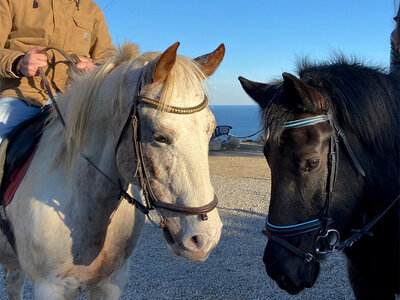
x: 161, y: 139
x: 311, y: 164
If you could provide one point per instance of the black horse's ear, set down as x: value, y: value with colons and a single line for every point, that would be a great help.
x: 293, y: 86
x: 302, y: 96
x: 261, y: 93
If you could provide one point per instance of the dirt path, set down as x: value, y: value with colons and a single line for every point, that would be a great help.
x: 246, y: 162
x: 234, y: 269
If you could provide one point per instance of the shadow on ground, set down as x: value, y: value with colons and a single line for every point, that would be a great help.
x: 234, y: 269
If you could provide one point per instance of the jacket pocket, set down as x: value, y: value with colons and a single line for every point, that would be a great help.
x: 81, y: 35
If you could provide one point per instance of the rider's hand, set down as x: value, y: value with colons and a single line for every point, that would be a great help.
x: 86, y: 65
x: 29, y: 63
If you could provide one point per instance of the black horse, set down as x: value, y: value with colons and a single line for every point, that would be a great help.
x: 333, y: 147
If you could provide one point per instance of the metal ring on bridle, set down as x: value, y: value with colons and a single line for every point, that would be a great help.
x: 327, y: 239
x: 331, y: 238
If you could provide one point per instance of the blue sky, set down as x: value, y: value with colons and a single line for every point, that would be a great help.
x: 263, y: 38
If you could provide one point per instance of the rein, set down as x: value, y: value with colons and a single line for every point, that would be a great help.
x: 151, y: 201
x: 72, y: 60
x: 327, y: 239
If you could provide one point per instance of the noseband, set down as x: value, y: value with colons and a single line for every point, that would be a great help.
x: 327, y: 239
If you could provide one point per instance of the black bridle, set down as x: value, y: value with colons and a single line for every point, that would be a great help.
x: 328, y: 239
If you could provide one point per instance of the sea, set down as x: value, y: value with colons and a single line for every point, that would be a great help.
x: 244, y: 119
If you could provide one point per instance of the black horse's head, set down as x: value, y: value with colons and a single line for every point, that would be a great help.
x: 299, y: 159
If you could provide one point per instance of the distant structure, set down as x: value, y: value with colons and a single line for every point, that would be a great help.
x: 221, y: 130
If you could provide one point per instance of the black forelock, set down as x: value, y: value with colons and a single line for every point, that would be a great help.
x: 363, y: 99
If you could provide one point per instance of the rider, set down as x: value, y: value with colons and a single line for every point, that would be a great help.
x: 26, y: 28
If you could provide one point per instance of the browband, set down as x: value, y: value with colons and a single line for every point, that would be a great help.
x: 175, y: 109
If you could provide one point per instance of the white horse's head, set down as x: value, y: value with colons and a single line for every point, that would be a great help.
x: 174, y: 145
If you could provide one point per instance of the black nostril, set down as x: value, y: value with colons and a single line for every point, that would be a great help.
x: 284, y: 280
x: 280, y: 279
x: 194, y: 243
x: 197, y: 240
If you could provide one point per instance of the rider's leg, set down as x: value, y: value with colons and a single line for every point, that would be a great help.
x: 14, y: 111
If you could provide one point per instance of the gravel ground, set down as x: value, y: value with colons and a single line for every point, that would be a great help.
x: 234, y: 269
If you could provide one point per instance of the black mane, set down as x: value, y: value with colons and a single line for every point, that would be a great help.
x: 364, y: 99
x: 364, y: 102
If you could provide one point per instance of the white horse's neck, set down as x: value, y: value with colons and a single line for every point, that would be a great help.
x: 98, y: 149
x: 72, y: 230
x: 86, y: 199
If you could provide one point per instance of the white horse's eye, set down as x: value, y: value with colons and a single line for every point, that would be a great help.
x: 161, y: 139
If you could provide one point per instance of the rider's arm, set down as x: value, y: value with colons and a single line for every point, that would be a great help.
x: 8, y: 58
x: 101, y: 47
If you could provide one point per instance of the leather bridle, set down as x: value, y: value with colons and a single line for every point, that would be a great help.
x: 328, y: 239
x: 151, y: 200
x: 152, y: 203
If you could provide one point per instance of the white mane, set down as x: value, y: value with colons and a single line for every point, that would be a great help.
x: 104, y: 93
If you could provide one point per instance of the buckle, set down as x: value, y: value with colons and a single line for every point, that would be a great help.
x: 309, y: 257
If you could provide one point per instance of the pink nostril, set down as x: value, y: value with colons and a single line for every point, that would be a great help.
x: 194, y: 243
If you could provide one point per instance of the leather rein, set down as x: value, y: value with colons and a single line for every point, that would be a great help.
x: 327, y: 239
x: 152, y: 203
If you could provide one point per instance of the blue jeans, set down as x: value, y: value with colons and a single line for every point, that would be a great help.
x: 14, y: 111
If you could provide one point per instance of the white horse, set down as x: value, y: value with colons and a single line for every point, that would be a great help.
x: 73, y: 232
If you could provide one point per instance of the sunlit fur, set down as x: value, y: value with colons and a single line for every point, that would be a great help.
x: 364, y: 102
x: 101, y: 95
x: 73, y: 233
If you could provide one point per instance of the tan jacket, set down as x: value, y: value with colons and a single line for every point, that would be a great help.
x: 74, y: 26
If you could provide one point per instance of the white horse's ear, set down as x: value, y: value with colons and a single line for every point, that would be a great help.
x: 211, y: 61
x: 165, y: 63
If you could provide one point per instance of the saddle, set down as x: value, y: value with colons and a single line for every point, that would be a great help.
x: 16, y: 152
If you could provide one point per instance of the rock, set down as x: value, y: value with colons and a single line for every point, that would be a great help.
x: 231, y: 143
x: 215, y: 145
